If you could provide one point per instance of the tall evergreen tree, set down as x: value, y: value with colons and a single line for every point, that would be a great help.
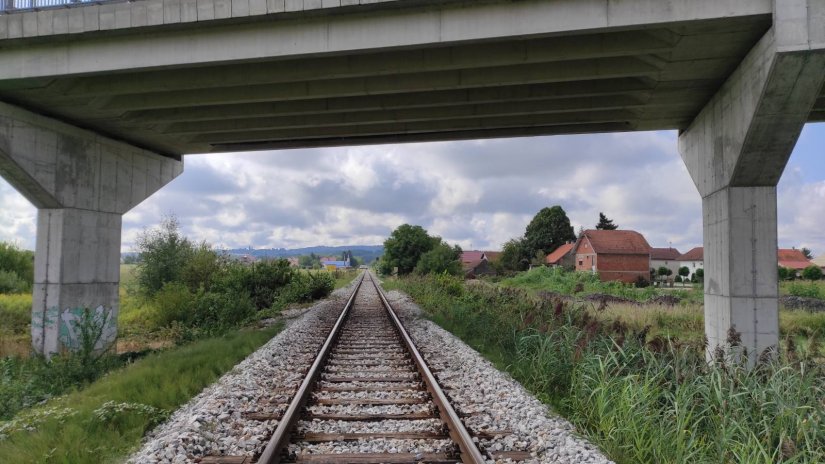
x: 605, y: 223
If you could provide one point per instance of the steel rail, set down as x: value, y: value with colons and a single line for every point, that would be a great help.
x: 281, y: 436
x: 469, y: 451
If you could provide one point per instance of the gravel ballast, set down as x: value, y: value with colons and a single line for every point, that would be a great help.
x: 215, y: 423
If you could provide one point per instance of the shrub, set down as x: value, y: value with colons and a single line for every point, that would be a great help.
x: 172, y: 303
x: 306, y: 287
x: 164, y: 253
x: 16, y: 269
x: 15, y: 313
x: 217, y: 312
x: 812, y: 272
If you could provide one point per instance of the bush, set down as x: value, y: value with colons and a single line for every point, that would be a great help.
x: 306, y: 287
x: 217, y: 312
x: 172, y: 303
x: 812, y: 272
x: 164, y: 254
x: 15, y: 313
x: 16, y: 269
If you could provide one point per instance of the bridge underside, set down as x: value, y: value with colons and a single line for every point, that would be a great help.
x: 623, y: 80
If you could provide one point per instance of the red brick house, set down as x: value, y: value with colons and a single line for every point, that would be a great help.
x: 563, y: 256
x: 622, y: 255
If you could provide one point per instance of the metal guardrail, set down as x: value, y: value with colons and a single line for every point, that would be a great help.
x: 13, y: 6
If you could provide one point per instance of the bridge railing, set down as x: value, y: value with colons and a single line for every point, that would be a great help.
x: 9, y: 6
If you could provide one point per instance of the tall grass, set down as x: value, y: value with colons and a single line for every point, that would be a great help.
x: 642, y: 398
x: 107, y: 420
x: 810, y: 289
x: 557, y: 280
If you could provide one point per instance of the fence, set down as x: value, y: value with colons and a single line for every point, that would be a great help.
x: 8, y: 6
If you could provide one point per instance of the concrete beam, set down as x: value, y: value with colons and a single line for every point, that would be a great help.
x: 377, y: 85
x: 736, y: 150
x: 81, y: 183
x: 337, y: 34
x: 633, y: 87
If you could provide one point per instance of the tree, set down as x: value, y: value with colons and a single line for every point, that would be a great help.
x: 663, y: 272
x: 784, y: 273
x: 549, y: 229
x: 514, y: 256
x: 808, y: 253
x: 698, y: 276
x: 684, y: 271
x: 164, y: 253
x: 812, y: 272
x: 441, y: 259
x: 404, y: 248
x: 605, y: 223
x: 16, y: 268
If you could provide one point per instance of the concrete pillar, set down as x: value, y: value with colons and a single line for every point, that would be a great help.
x: 735, y: 151
x: 82, y: 184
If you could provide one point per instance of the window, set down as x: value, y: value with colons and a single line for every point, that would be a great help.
x: 581, y: 262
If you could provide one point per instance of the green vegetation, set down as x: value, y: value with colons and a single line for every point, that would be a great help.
x: 411, y: 248
x: 549, y: 229
x: 16, y: 269
x: 559, y: 281
x: 811, y: 289
x: 812, y: 272
x: 641, y: 398
x: 105, y: 421
x: 605, y: 223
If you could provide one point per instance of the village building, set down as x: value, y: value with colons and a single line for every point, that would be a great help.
x: 792, y: 258
x: 665, y: 257
x: 476, y: 263
x: 693, y: 259
x: 819, y: 261
x: 620, y: 255
x: 562, y: 256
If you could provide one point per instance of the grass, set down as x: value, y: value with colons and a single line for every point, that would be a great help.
x: 807, y: 289
x: 642, y: 398
x: 80, y: 428
x: 559, y: 281
x: 343, y: 278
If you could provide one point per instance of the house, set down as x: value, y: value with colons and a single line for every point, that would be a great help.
x: 693, y: 259
x: 665, y: 257
x: 492, y: 256
x: 293, y: 261
x: 621, y: 255
x: 475, y: 263
x: 335, y: 265
x: 792, y: 258
x: 562, y: 256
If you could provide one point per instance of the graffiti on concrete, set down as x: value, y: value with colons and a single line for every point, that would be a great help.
x: 86, y: 328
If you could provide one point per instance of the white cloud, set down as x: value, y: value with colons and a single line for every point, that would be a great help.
x: 478, y: 194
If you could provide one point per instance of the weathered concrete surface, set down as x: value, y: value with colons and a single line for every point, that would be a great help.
x: 736, y: 150
x: 81, y: 183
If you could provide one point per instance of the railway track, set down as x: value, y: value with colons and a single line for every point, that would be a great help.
x: 368, y: 397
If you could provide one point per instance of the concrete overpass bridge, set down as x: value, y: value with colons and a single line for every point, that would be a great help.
x: 101, y: 100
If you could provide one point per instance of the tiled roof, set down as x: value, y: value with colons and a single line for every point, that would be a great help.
x: 696, y: 254
x: 664, y: 253
x: 628, y: 242
x: 492, y: 256
x: 559, y: 253
x: 792, y: 258
x: 471, y: 256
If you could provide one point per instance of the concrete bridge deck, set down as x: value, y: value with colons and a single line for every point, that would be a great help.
x: 98, y: 102
x: 208, y: 76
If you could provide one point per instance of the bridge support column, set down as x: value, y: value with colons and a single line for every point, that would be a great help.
x: 82, y: 184
x: 735, y: 151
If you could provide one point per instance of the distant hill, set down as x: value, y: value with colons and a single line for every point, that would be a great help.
x: 366, y: 253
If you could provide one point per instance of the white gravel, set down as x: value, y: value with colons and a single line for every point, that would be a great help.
x: 213, y: 422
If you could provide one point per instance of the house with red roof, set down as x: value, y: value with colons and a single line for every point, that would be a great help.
x: 621, y: 255
x: 476, y: 263
x: 792, y: 258
x: 665, y: 257
x: 693, y: 259
x: 562, y: 256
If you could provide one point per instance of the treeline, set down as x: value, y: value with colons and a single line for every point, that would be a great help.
x: 192, y: 290
x: 16, y: 269
x: 549, y: 229
x: 411, y: 249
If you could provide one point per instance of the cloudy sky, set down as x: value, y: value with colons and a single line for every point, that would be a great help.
x: 478, y: 194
